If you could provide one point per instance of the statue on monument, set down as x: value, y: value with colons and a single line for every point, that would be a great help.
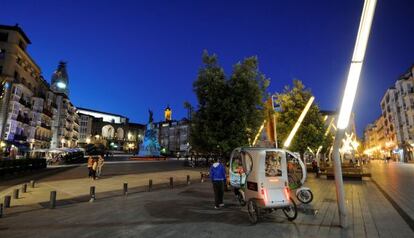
x: 151, y: 116
x: 150, y: 146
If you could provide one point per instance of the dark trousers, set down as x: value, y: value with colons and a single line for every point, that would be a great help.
x: 218, y: 187
x: 92, y: 173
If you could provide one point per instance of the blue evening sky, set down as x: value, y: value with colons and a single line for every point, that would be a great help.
x: 126, y: 56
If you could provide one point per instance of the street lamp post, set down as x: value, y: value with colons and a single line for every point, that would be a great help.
x: 348, y: 101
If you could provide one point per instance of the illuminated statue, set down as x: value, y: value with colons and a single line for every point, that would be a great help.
x: 150, y: 146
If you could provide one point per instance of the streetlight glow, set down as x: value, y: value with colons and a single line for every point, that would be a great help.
x: 299, y: 121
x: 356, y: 64
x: 258, y: 133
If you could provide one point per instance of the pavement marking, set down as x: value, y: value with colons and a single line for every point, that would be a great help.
x: 403, y: 214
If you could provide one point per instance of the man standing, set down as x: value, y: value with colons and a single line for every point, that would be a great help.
x: 218, y: 177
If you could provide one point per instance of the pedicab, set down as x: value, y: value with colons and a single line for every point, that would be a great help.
x: 263, y: 181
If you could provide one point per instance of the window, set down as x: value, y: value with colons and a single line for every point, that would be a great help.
x: 2, y: 53
x: 4, y: 36
x: 22, y: 45
x: 273, y: 164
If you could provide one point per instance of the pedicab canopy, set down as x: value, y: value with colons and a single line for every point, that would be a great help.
x: 241, y: 166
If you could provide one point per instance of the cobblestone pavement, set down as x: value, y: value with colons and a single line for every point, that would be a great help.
x: 187, y: 211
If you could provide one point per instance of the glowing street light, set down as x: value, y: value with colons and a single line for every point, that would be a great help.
x: 298, y: 122
x: 348, y: 101
x: 258, y: 133
x: 356, y: 63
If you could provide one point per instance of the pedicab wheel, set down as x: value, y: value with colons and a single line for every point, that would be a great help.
x: 305, y: 196
x: 253, y: 211
x: 291, y: 211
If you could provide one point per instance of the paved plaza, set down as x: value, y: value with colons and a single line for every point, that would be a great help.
x: 186, y: 211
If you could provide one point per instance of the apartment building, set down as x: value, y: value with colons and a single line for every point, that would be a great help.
x: 397, y: 106
x: 29, y: 108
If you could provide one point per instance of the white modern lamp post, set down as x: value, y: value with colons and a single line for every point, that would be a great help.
x: 298, y: 122
x: 348, y: 101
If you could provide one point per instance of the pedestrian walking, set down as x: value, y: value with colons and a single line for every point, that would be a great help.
x: 90, y: 165
x: 100, y: 164
x: 218, y: 178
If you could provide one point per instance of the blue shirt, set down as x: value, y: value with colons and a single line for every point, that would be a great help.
x: 217, y: 172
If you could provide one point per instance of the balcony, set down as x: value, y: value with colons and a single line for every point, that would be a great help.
x: 20, y: 137
x: 23, y: 119
x: 25, y: 103
x: 43, y: 138
x: 47, y: 112
x: 45, y: 126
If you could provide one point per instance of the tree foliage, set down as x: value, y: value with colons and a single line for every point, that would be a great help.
x: 229, y: 110
x: 312, y: 130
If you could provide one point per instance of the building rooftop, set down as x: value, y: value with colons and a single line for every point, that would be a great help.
x: 101, y: 112
x: 18, y: 29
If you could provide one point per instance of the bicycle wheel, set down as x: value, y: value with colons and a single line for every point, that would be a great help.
x: 291, y: 211
x: 253, y: 211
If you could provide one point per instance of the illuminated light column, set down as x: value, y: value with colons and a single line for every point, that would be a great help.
x: 258, y: 133
x: 298, y: 122
x: 348, y: 101
x: 274, y: 121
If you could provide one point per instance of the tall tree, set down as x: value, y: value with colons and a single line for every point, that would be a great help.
x: 312, y: 130
x: 210, y: 89
x: 229, y: 111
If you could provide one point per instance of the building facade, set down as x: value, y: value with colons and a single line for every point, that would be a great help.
x: 29, y: 108
x: 114, y: 131
x: 376, y: 143
x: 173, y: 135
x: 397, y: 108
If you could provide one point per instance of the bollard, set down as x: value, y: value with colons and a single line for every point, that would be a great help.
x: 24, y: 188
x: 16, y: 193
x: 188, y: 179
x: 171, y: 183
x: 1, y: 210
x: 52, y: 203
x: 150, y: 185
x: 7, y: 201
x: 125, y: 189
x: 202, y: 178
x: 32, y: 183
x: 92, y: 194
